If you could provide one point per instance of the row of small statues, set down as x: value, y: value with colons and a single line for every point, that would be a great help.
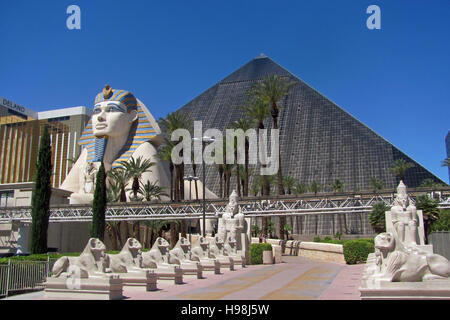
x: 205, y: 255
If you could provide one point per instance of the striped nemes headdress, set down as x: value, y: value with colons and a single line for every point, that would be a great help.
x: 122, y: 96
x: 142, y: 130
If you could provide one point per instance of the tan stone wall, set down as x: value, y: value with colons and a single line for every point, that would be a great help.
x: 322, y: 251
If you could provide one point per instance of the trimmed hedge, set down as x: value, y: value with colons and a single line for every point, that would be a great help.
x: 356, y: 251
x: 43, y: 257
x: 256, y: 252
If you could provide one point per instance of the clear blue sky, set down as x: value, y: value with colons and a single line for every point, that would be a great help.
x: 395, y: 80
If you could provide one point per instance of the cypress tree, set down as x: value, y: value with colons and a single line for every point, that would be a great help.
x: 40, y: 199
x: 99, y: 205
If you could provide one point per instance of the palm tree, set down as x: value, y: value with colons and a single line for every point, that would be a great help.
x: 300, y: 188
x: 120, y: 177
x: 255, y: 188
x: 152, y: 190
x: 173, y: 121
x: 315, y: 187
x: 244, y: 124
x: 400, y: 167
x: 289, y: 183
x: 136, y: 168
x: 430, y: 212
x: 113, y: 192
x: 165, y: 154
x: 375, y: 184
x: 256, y: 109
x: 446, y: 162
x: 337, y: 186
x: 272, y: 89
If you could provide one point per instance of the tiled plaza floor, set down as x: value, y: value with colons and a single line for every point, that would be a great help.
x: 296, y: 278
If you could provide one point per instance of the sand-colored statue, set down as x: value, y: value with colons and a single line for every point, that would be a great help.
x: 401, y: 256
x: 158, y: 259
x: 128, y: 263
x: 200, y: 253
x: 234, y: 227
x: 216, y: 251
x: 404, y: 218
x: 89, y: 176
x: 129, y: 259
x: 181, y: 255
x: 92, y: 261
x: 121, y: 127
x: 229, y: 248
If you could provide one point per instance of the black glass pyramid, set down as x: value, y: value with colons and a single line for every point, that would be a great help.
x: 319, y: 141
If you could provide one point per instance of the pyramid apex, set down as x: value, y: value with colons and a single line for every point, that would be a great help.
x: 261, y: 56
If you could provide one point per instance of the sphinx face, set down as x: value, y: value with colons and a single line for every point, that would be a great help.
x: 111, y: 119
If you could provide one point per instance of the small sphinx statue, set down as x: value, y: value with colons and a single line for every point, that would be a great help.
x: 200, y: 253
x: 158, y: 259
x: 92, y: 262
x: 181, y: 255
x: 217, y: 251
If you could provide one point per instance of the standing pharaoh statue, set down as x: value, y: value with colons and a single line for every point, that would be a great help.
x: 404, y: 218
x: 235, y: 227
x: 89, y: 178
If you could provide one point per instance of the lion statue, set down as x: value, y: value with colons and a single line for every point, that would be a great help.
x: 91, y: 261
x: 128, y: 259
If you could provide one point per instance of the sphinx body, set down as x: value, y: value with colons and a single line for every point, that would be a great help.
x: 200, y: 253
x: 181, y: 255
x: 129, y: 259
x: 217, y: 251
x: 158, y: 259
x: 92, y: 262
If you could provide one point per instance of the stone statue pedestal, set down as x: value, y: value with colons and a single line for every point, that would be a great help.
x: 93, y: 288
x: 378, y: 289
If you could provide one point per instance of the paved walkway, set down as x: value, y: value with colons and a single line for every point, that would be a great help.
x: 296, y: 279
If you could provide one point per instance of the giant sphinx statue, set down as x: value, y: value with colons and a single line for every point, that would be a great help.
x: 400, y: 253
x: 121, y: 127
x: 234, y: 229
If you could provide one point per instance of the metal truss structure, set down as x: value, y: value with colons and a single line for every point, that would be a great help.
x: 256, y: 207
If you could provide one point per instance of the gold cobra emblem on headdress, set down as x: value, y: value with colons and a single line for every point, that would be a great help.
x: 107, y: 92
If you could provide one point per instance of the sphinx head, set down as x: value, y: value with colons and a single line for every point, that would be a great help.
x: 114, y: 113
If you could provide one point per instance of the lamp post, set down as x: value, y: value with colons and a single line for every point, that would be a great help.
x: 190, y: 178
x: 204, y: 140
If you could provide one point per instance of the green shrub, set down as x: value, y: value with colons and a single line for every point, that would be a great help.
x: 256, y: 252
x: 443, y: 223
x: 317, y: 239
x: 377, y: 218
x: 356, y: 251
